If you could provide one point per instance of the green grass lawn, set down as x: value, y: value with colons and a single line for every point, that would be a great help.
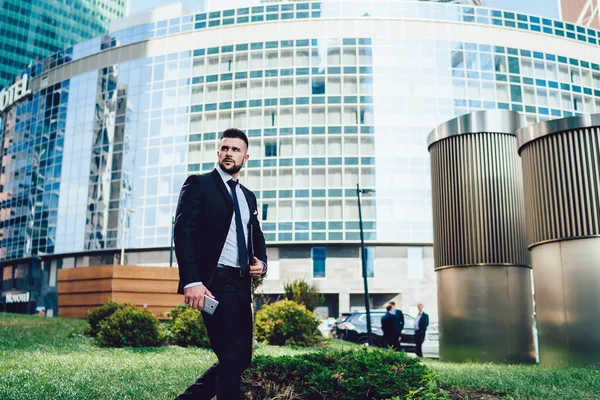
x: 41, y: 359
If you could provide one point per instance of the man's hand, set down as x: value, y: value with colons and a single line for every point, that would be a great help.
x: 256, y: 268
x: 399, y: 339
x: 194, y: 296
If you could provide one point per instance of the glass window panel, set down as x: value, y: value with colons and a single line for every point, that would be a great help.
x: 350, y: 56
x: 212, y: 93
x: 271, y: 88
x: 335, y: 209
x: 285, y: 179
x: 318, y: 178
x: 255, y: 120
x: 256, y: 89
x: 210, y: 122
x: 563, y: 74
x: 319, y: 256
x: 334, y: 146
x: 302, y: 147
x: 350, y: 116
x: 286, y: 147
x: 334, y: 177
x: 226, y: 63
x: 239, y: 119
x: 303, y: 87
x: 241, y: 62
x: 302, y: 117
x: 350, y: 85
x: 301, y: 179
x: 286, y: 88
x: 287, y: 59
x: 552, y: 72
x: 334, y: 115
x: 318, y: 116
x: 301, y: 211
x: 334, y: 86
x: 302, y: 58
x: 333, y: 56
x: 285, y: 210
x: 253, y: 178
x: 269, y: 179
x: 286, y: 117
x: 254, y: 147
x: 197, y: 94
x: 224, y: 121
x: 318, y: 147
x: 256, y: 61
x: 350, y: 177
x: 226, y: 92
x: 351, y: 210
x: 317, y: 211
x: 213, y: 66
x: 241, y: 90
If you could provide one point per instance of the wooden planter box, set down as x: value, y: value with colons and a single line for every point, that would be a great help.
x: 86, y: 288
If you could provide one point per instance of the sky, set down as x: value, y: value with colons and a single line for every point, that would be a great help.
x: 546, y: 8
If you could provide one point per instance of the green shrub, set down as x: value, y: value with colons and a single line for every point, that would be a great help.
x: 341, y: 375
x: 130, y: 326
x: 287, y: 323
x: 188, y: 329
x: 177, y: 311
x: 303, y: 293
x: 94, y: 317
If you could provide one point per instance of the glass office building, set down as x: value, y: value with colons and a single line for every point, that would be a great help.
x: 32, y: 30
x: 332, y: 94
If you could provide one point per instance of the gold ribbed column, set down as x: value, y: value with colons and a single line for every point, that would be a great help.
x: 480, y: 250
x: 561, y: 171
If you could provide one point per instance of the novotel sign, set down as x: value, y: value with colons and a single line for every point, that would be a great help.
x: 14, y: 93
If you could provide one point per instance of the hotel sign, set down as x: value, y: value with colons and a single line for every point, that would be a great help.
x: 17, y: 297
x: 14, y: 93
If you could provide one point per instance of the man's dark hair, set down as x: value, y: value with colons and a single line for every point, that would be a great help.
x: 392, y: 303
x: 389, y: 308
x: 235, y: 134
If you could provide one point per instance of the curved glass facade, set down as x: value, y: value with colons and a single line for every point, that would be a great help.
x: 35, y: 29
x: 330, y: 97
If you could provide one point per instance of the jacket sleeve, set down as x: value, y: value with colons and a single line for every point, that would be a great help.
x: 260, y: 247
x: 189, y: 208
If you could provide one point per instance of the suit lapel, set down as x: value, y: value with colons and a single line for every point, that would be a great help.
x: 222, y: 188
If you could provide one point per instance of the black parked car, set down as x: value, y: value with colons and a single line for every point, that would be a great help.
x: 353, y: 328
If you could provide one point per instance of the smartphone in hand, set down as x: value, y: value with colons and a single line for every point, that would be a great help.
x: 210, y: 305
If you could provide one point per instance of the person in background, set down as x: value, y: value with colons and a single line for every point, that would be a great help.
x: 391, y: 328
x: 399, y: 314
x: 421, y: 324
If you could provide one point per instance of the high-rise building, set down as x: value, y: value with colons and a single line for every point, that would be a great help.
x: 331, y: 94
x: 31, y: 29
x: 581, y: 12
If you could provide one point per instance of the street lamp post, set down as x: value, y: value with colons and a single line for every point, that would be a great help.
x: 364, y: 263
x: 127, y: 211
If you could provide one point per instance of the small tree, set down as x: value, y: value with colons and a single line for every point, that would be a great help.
x: 303, y: 293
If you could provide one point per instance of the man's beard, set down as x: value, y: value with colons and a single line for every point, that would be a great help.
x: 233, y: 169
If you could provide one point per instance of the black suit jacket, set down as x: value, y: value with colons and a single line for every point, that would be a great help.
x: 400, y: 316
x: 391, y: 327
x: 423, y: 323
x: 202, y: 221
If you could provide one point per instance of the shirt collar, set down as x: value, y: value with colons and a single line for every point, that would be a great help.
x: 224, y: 175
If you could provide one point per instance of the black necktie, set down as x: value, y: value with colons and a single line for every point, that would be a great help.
x: 239, y: 228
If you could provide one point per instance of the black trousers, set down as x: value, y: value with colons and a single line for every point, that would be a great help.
x: 230, y: 333
x: 419, y: 339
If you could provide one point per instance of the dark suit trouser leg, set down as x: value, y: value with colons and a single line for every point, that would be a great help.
x: 419, y: 339
x: 230, y: 332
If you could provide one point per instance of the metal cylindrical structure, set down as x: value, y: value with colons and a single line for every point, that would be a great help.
x: 561, y: 171
x: 480, y: 251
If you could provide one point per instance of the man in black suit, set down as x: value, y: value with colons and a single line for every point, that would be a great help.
x: 399, y: 314
x: 421, y: 324
x: 220, y: 247
x: 391, y: 328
